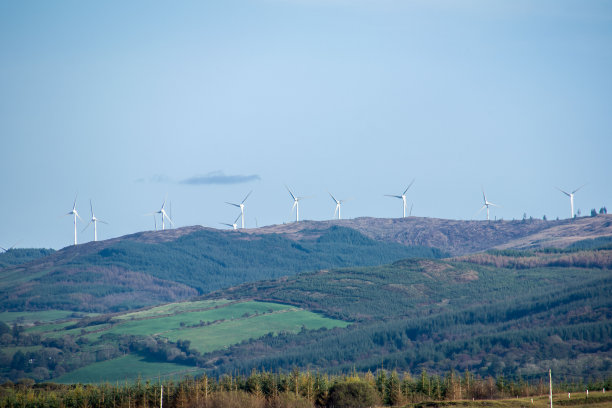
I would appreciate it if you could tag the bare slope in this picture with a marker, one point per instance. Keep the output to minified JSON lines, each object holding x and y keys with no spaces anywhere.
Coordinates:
{"x":459,"y":237}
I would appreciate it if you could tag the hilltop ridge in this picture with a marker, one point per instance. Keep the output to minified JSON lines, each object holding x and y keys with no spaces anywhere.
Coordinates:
{"x":459,"y":237}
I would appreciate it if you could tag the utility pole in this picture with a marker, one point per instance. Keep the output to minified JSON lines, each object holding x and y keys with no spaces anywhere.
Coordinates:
{"x":550,"y":385}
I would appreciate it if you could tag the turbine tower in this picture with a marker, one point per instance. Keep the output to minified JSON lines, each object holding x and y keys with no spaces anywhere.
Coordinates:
{"x":163,"y":213}
{"x":95,"y":221}
{"x":235,"y":224}
{"x":402,"y":197}
{"x":296,"y":204}
{"x":338,"y":205}
{"x":75,"y":214}
{"x":571,"y":196}
{"x":241,"y":206}
{"x":487,"y":204}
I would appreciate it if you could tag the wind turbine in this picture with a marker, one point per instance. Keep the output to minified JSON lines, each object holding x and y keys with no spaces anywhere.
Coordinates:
{"x":163,"y":213}
{"x":487,"y":204}
{"x":571,"y":196}
{"x":296,"y":204}
{"x":338,"y":205}
{"x":241,"y":206}
{"x":95,"y":222}
{"x":402,"y":197}
{"x":75,"y":214}
{"x":235,"y":224}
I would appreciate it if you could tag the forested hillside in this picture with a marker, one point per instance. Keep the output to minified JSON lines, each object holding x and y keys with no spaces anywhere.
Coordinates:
{"x":19,"y":256}
{"x":494,"y":313}
{"x":140,"y":270}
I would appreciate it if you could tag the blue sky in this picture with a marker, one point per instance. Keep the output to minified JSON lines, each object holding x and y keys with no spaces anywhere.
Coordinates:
{"x":127,"y":102}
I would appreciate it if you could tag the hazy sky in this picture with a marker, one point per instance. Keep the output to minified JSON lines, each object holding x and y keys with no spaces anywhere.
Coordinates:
{"x":127,"y":102}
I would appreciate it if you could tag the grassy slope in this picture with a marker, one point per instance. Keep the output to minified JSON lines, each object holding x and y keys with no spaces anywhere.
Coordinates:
{"x":127,"y":368}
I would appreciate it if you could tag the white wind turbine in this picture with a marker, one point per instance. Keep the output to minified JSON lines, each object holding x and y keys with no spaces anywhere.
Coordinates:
{"x":241,"y":206}
{"x":486,"y":204}
{"x":95,"y":222}
{"x":402,"y":197}
{"x":235,"y":224}
{"x":338,"y":205}
{"x":163,"y":213}
{"x":296,"y":204}
{"x":571,"y":196}
{"x":75,"y":214}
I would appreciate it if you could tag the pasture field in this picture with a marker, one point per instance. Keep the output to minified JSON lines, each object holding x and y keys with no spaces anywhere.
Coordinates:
{"x":163,"y":324}
{"x":217,"y":336}
{"x":127,"y":368}
{"x":209,"y":325}
{"x":172,"y":308}
{"x":24,"y":318}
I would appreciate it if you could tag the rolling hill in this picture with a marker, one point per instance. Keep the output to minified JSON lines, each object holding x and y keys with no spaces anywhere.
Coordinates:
{"x":153,"y":267}
{"x":503,"y":312}
{"x":156,"y":267}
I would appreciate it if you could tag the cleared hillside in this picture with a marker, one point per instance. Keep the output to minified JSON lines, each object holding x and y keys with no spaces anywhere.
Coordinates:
{"x":459,"y":237}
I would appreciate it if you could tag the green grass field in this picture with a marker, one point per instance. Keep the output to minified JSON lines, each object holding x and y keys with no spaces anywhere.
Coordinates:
{"x":217,"y":336}
{"x":127,"y":368}
{"x":208,"y":325}
{"x":173,"y":308}
{"x":32,"y":317}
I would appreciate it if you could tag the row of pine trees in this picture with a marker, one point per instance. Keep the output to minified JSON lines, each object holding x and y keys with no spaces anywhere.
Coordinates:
{"x":294,"y":389}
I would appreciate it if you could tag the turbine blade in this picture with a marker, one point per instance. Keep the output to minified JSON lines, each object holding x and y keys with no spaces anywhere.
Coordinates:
{"x":564,"y":192}
{"x":86,"y":226}
{"x":574,"y":192}
{"x":247,"y":196}
{"x":395,"y":196}
{"x":103,"y":222}
{"x":409,"y":185}
{"x":235,"y":205}
{"x":78,"y":216}
{"x":237,"y":218}
{"x":292,"y":196}
{"x":333,"y":198}
{"x":91,"y":208}
{"x":294,"y":204}
{"x":74,"y":203}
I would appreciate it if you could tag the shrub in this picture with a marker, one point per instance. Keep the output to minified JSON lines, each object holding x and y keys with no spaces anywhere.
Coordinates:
{"x":352,"y":394}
